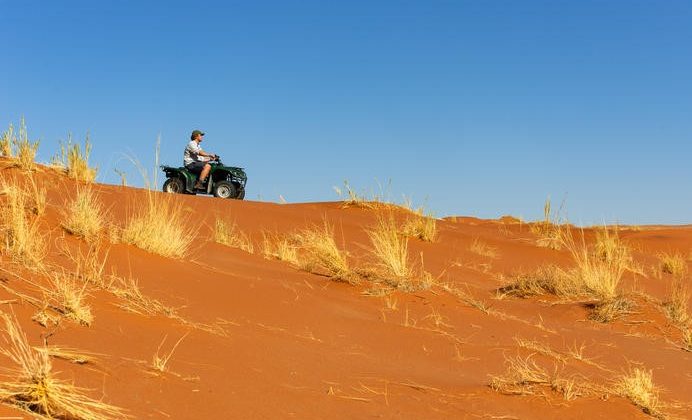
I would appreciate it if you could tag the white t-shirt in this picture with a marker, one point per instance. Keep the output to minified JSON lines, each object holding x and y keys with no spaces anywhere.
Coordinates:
{"x":192,"y":153}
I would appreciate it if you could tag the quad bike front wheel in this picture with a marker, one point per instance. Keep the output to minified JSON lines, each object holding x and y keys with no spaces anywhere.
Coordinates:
{"x":225,"y":189}
{"x":173,"y":185}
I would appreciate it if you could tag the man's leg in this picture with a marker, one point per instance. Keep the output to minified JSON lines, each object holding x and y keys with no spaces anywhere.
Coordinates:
{"x":203,"y":176}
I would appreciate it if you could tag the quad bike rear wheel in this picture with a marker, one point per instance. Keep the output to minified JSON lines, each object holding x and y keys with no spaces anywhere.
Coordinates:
{"x":225,"y":189}
{"x":173,"y":185}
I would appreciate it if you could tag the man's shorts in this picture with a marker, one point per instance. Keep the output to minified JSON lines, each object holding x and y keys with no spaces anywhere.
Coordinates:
{"x":195,"y":167}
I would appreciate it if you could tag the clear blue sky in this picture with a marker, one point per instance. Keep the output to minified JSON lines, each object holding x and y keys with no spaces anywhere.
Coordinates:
{"x":473,"y":107}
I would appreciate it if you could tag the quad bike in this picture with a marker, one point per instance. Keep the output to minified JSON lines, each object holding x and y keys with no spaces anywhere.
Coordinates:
{"x":223,"y":181}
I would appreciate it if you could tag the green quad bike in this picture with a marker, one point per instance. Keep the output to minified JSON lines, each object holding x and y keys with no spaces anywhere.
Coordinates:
{"x":223,"y":181}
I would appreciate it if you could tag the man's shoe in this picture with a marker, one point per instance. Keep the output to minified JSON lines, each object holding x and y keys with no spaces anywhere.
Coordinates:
{"x":199,"y":186}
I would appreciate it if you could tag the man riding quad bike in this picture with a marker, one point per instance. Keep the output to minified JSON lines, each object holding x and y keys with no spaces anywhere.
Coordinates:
{"x":204,"y":173}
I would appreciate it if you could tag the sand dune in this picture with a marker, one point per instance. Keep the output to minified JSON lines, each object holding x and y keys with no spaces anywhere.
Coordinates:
{"x":263,"y":338}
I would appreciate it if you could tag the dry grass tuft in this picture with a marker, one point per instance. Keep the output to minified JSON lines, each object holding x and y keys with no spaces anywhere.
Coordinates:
{"x":68,"y":354}
{"x":674,"y":264}
{"x":421,"y":226}
{"x":32,"y":386}
{"x":596,"y":274}
{"x":522,"y":377}
{"x":481,"y":248}
{"x":390,"y":249}
{"x":229,"y":235}
{"x":21,"y":233}
{"x":160,"y":362}
{"x":676,"y":306}
{"x":549,"y":229}
{"x":275,"y":246}
{"x":545,"y":280}
{"x":133,"y":300}
{"x":637,"y":385}
{"x":75,"y":161}
{"x":598,"y":277}
{"x":6,"y":141}
{"x":319,"y":253}
{"x":611,"y":309}
{"x":392,"y":264}
{"x":20,"y":148}
{"x":159,"y":226}
{"x":84,"y":215}
{"x":67,"y":295}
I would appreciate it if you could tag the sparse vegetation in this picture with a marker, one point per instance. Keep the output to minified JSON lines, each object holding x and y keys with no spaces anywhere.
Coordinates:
{"x":275,"y":246}
{"x":229,"y":235}
{"x":594,"y":274}
{"x":318,"y":252}
{"x":548,"y":230}
{"x":6,"y":142}
{"x":521,"y":377}
{"x":420,"y":225}
{"x":637,"y":385}
{"x":21,"y":233}
{"x":159,"y":226}
{"x":19,"y":148}
{"x":392,"y":264}
{"x":673,"y":263}
{"x":84,"y":215}
{"x":75,"y":161}
{"x":32,"y":386}
{"x":67,"y":295}
{"x":160,"y":362}
{"x":676,"y":306}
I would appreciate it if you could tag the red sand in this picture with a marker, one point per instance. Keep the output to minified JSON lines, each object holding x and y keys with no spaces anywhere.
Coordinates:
{"x":289,"y":344}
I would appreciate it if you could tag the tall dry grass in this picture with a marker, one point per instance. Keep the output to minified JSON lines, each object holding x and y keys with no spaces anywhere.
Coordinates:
{"x":673,"y":263}
{"x":595,"y":274}
{"x":390,"y":252}
{"x":159,"y":225}
{"x":84,"y":215}
{"x":21,"y":232}
{"x":229,"y":235}
{"x":421,"y":226}
{"x":677,"y":304}
{"x":279,"y":247}
{"x":549,"y":230}
{"x":75,"y":160}
{"x":19,"y":148}
{"x":637,"y":385}
{"x":6,"y":142}
{"x":319,"y":253}
{"x":31,"y":385}
{"x":67,"y":294}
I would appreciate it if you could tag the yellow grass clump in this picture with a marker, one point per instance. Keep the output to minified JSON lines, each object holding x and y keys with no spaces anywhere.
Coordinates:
{"x":282,"y":248}
{"x":676,"y":306}
{"x":84,"y":215}
{"x":637,"y":385}
{"x":421,"y":226}
{"x":320,"y":253}
{"x":21,"y":233}
{"x":595,"y":275}
{"x":549,"y":229}
{"x":159,"y":226}
{"x":75,"y":161}
{"x":229,"y":235}
{"x":19,"y":148}
{"x":598,"y":275}
{"x":390,"y":251}
{"x":6,"y":141}
{"x":67,"y":294}
{"x":32,"y":386}
{"x":673,"y":263}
